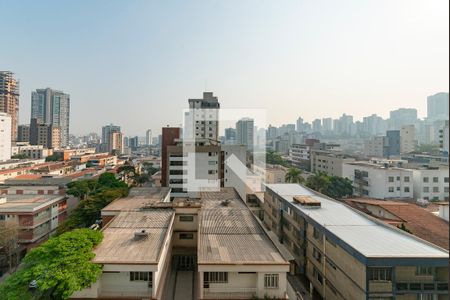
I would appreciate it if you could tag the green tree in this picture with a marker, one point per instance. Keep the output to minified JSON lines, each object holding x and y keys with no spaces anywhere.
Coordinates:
{"x":319,"y":182}
{"x":19,"y":156}
{"x":52,"y":158}
{"x":274,"y":158}
{"x":60,"y":266}
{"x":339,"y":187}
{"x":294,"y":175}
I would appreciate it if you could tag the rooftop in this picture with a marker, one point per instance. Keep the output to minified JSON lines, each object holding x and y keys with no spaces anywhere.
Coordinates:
{"x":419,"y":221}
{"x":368,"y":237}
{"x":139,"y":197}
{"x":27,"y":203}
{"x":119,"y":244}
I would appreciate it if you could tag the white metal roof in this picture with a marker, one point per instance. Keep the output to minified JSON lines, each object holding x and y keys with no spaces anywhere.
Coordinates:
{"x":370,"y":238}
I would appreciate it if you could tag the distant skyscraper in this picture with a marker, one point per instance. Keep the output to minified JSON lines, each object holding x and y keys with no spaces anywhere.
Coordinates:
{"x":317,"y":125}
{"x":327,"y":124}
{"x":271,"y":132}
{"x":393,"y":142}
{"x":52,"y":107}
{"x":23,"y":133}
{"x":230,"y":136}
{"x":402,"y":116}
{"x":9,"y":99}
{"x":148,"y":137}
{"x":5,"y":136}
{"x":408,"y":141}
{"x":374,"y":125}
{"x":202,"y":120}
{"x":437,"y":107}
{"x":245,"y":131}
{"x":299,"y":124}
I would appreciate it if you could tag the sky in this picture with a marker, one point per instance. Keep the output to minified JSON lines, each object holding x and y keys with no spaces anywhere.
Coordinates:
{"x":135,"y":63}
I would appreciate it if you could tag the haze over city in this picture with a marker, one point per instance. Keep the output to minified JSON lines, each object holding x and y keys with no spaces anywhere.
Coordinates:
{"x":146,"y":58}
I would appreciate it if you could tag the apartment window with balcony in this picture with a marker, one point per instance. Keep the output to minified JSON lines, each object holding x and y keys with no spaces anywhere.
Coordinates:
{"x":391,"y":189}
{"x":406,"y":179}
{"x":406,"y":189}
{"x":271,"y":281}
{"x":425,"y":179}
{"x":424,"y":271}
{"x":380,"y":274}
{"x":435,"y":179}
{"x":215,"y":277}
{"x":391,"y":179}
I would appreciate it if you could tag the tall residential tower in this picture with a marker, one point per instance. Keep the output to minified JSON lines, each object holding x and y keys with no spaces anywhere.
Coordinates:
{"x":9,"y":99}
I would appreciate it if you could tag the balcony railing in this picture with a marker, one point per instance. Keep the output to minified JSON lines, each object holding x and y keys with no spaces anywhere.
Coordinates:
{"x":229,"y":293}
{"x":436,"y":286}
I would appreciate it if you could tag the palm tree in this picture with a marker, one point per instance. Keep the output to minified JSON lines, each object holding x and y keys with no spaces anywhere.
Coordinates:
{"x":294,"y":175}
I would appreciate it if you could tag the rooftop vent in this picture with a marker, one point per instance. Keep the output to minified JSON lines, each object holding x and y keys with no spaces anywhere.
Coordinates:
{"x":225,"y":202}
{"x":140,"y":234}
{"x":307,"y":201}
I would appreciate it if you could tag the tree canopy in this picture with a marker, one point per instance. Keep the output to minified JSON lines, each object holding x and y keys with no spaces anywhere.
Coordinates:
{"x":60,"y":266}
{"x":94,"y":194}
{"x":294,"y":175}
{"x":275,"y":158}
{"x":332,"y":186}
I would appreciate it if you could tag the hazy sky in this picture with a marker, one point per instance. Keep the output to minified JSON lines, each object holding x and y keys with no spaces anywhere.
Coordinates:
{"x":135,"y":63}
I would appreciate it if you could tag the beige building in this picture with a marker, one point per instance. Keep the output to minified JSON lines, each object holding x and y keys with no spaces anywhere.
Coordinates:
{"x":208,"y":248}
{"x":9,"y":99}
{"x":270,"y":173}
{"x":329,"y":162}
{"x":408,"y":139}
{"x":345,"y":254}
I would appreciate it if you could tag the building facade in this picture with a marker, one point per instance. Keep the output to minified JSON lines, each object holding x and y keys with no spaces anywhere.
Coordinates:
{"x":329,"y":162}
{"x":347,"y":255}
{"x":5,"y":136}
{"x":431,"y":183}
{"x":245,"y":133}
{"x":9,"y":100}
{"x":437,"y":107}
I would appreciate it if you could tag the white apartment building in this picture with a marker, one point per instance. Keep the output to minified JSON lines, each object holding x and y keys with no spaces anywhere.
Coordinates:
{"x":408,"y":139}
{"x":299,"y":153}
{"x":202,"y":119}
{"x":329,"y":162}
{"x":5,"y":137}
{"x":431,"y":183}
{"x":379,"y":182}
{"x":31,"y":151}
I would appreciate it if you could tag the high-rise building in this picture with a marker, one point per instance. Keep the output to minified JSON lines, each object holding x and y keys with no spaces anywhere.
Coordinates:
{"x":46,"y":135}
{"x":374,"y":125}
{"x":299,"y":124}
{"x":52,"y":107}
{"x":245,"y":130}
{"x":327,"y":124}
{"x":5,"y":136}
{"x":393,"y":143}
{"x":133,"y":142}
{"x":148,"y":137}
{"x":168,"y":138}
{"x":402,"y":116}
{"x":271,"y":132}
{"x":9,"y":99}
{"x":408,"y":141}
{"x":444,"y":139}
{"x":202,"y":120}
{"x":106,"y":131}
{"x":317,"y":125}
{"x":230,"y":136}
{"x":437,"y":107}
{"x":23,"y":133}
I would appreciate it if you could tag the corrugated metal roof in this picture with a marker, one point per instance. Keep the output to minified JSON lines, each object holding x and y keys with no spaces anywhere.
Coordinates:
{"x":370,"y":238}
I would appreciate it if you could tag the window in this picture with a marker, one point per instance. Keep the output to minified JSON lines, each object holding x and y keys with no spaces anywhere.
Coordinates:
{"x":186,"y":218}
{"x":318,"y":276}
{"x":215,"y":277}
{"x":406,"y":179}
{"x":331,"y":264}
{"x":380,"y":274}
{"x":398,"y":188}
{"x":446,"y":189}
{"x":426,"y":189}
{"x":406,"y":189}
{"x":424,"y":271}
{"x":435,"y":179}
{"x":425,"y":179}
{"x":317,"y":234}
{"x":425,"y":297}
{"x":446,"y":179}
{"x":391,"y":189}
{"x":142,"y":276}
{"x":271,"y":281}
{"x":398,"y":178}
{"x":435,"y":189}
{"x":317,"y":255}
{"x":186,"y":236}
{"x":391,"y":178}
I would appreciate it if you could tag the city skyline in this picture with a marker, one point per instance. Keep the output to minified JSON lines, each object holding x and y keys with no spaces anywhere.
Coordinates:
{"x":136,"y":53}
